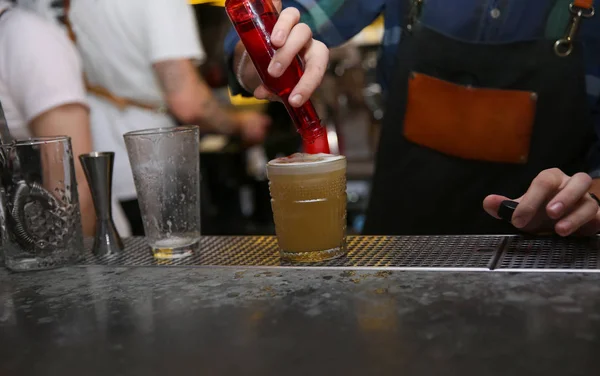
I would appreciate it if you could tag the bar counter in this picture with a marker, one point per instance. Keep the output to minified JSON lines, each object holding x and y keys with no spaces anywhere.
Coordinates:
{"x":513,"y":317}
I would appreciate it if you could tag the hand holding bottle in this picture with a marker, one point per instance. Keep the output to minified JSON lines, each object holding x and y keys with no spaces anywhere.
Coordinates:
{"x":281,"y":69}
{"x":290,"y":38}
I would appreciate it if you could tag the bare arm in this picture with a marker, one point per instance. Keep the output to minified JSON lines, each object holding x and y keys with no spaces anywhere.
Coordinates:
{"x":71,"y":120}
{"x":190,"y":99}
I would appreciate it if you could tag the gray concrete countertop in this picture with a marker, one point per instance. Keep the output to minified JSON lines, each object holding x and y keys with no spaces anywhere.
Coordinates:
{"x":223,"y":321}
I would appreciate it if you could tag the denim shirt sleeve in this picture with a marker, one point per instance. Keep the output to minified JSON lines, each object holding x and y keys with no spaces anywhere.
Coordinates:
{"x":332,"y":21}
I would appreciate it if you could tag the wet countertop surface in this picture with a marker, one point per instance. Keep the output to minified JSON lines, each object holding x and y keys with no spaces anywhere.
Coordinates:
{"x":223,"y":321}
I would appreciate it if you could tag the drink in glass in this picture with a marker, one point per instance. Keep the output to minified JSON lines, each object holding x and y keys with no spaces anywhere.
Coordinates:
{"x":308,"y":197}
{"x":166,"y":170}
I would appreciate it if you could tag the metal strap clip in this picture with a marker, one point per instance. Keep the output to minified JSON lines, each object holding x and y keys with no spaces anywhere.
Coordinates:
{"x":414,"y":14}
{"x":563,"y":47}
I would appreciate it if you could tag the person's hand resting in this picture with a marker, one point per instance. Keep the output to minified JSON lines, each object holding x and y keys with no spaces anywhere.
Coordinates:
{"x":291,"y":38}
{"x":252,"y":126}
{"x":554,"y":202}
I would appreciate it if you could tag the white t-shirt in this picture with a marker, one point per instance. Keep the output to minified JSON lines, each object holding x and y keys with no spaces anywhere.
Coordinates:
{"x":39,"y":68}
{"x":119,"y":40}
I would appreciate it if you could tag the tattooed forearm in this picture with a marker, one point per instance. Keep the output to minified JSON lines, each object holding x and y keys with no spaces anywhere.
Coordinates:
{"x":190,"y":99}
{"x":216,"y":117}
{"x":172,"y":75}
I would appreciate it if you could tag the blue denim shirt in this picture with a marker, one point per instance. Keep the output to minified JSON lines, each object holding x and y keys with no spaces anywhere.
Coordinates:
{"x":475,"y":21}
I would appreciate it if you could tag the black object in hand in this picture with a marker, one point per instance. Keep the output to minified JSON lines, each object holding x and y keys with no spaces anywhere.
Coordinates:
{"x":506,"y":210}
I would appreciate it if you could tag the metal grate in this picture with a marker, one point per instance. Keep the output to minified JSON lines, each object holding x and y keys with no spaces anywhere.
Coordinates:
{"x":370,"y":251}
{"x":551,"y":253}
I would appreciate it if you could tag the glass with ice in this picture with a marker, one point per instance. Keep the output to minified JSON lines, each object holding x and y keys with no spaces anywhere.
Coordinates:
{"x":166,"y":170}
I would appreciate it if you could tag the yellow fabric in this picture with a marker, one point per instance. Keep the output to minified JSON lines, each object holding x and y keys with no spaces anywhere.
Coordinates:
{"x":219,"y":3}
{"x":238,"y":100}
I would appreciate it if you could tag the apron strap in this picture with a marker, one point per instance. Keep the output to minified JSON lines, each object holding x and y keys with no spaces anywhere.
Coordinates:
{"x":411,"y":10}
{"x":580,"y":10}
{"x":67,"y":20}
{"x":4,"y":12}
{"x":119,"y":102}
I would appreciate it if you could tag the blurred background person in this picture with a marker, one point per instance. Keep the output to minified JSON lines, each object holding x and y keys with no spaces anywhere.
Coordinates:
{"x":235,"y":194}
{"x":42,"y":91}
{"x":140,"y":61}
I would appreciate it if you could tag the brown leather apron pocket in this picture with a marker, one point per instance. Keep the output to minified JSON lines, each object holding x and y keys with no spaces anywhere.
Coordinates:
{"x":482,"y":124}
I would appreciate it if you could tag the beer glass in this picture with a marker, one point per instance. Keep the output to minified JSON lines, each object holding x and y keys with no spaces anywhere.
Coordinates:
{"x":42,"y":219}
{"x":166,"y":170}
{"x":308,"y":198}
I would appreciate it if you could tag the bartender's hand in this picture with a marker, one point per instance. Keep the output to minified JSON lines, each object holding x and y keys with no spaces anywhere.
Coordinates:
{"x":555,"y":202}
{"x":252,"y":126}
{"x":290,"y":38}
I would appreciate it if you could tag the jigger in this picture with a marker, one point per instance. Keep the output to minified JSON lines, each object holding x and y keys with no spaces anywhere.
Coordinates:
{"x":98,"y":167}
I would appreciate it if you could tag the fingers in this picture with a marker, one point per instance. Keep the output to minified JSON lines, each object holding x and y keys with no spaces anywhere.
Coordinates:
{"x":253,"y":127}
{"x":288,"y":18}
{"x":586,"y":210}
{"x":491,"y":204}
{"x":576,"y":188}
{"x":591,"y":228}
{"x":299,"y":37}
{"x":264,"y":121}
{"x":256,"y":120}
{"x":568,"y":206}
{"x":262,"y":92}
{"x":315,"y":64}
{"x":278,"y":5}
{"x":291,"y":38}
{"x":542,"y":189}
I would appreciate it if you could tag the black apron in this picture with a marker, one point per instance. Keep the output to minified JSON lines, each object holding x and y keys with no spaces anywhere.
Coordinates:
{"x":417,"y":190}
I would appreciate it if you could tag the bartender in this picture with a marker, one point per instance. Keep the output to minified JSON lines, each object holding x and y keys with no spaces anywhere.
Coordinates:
{"x":486,"y":101}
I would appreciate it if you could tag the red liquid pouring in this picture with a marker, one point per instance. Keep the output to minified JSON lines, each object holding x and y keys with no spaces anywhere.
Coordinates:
{"x":254,"y":20}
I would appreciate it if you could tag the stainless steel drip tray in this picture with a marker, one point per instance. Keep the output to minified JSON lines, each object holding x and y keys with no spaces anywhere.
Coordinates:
{"x":470,"y":253}
{"x":363,"y":251}
{"x":552,"y":254}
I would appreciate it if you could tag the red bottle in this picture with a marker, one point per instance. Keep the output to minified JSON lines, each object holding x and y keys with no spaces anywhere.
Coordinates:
{"x":254,"y":21}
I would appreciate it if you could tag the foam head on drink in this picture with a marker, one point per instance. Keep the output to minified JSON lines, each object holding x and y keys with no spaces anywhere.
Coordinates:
{"x":308,"y":197}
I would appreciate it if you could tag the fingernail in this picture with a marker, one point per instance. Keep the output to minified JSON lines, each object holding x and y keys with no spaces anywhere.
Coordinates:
{"x":518,"y":222}
{"x":557,"y":208}
{"x":275,"y":68}
{"x":277,"y":36}
{"x":296,"y":99}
